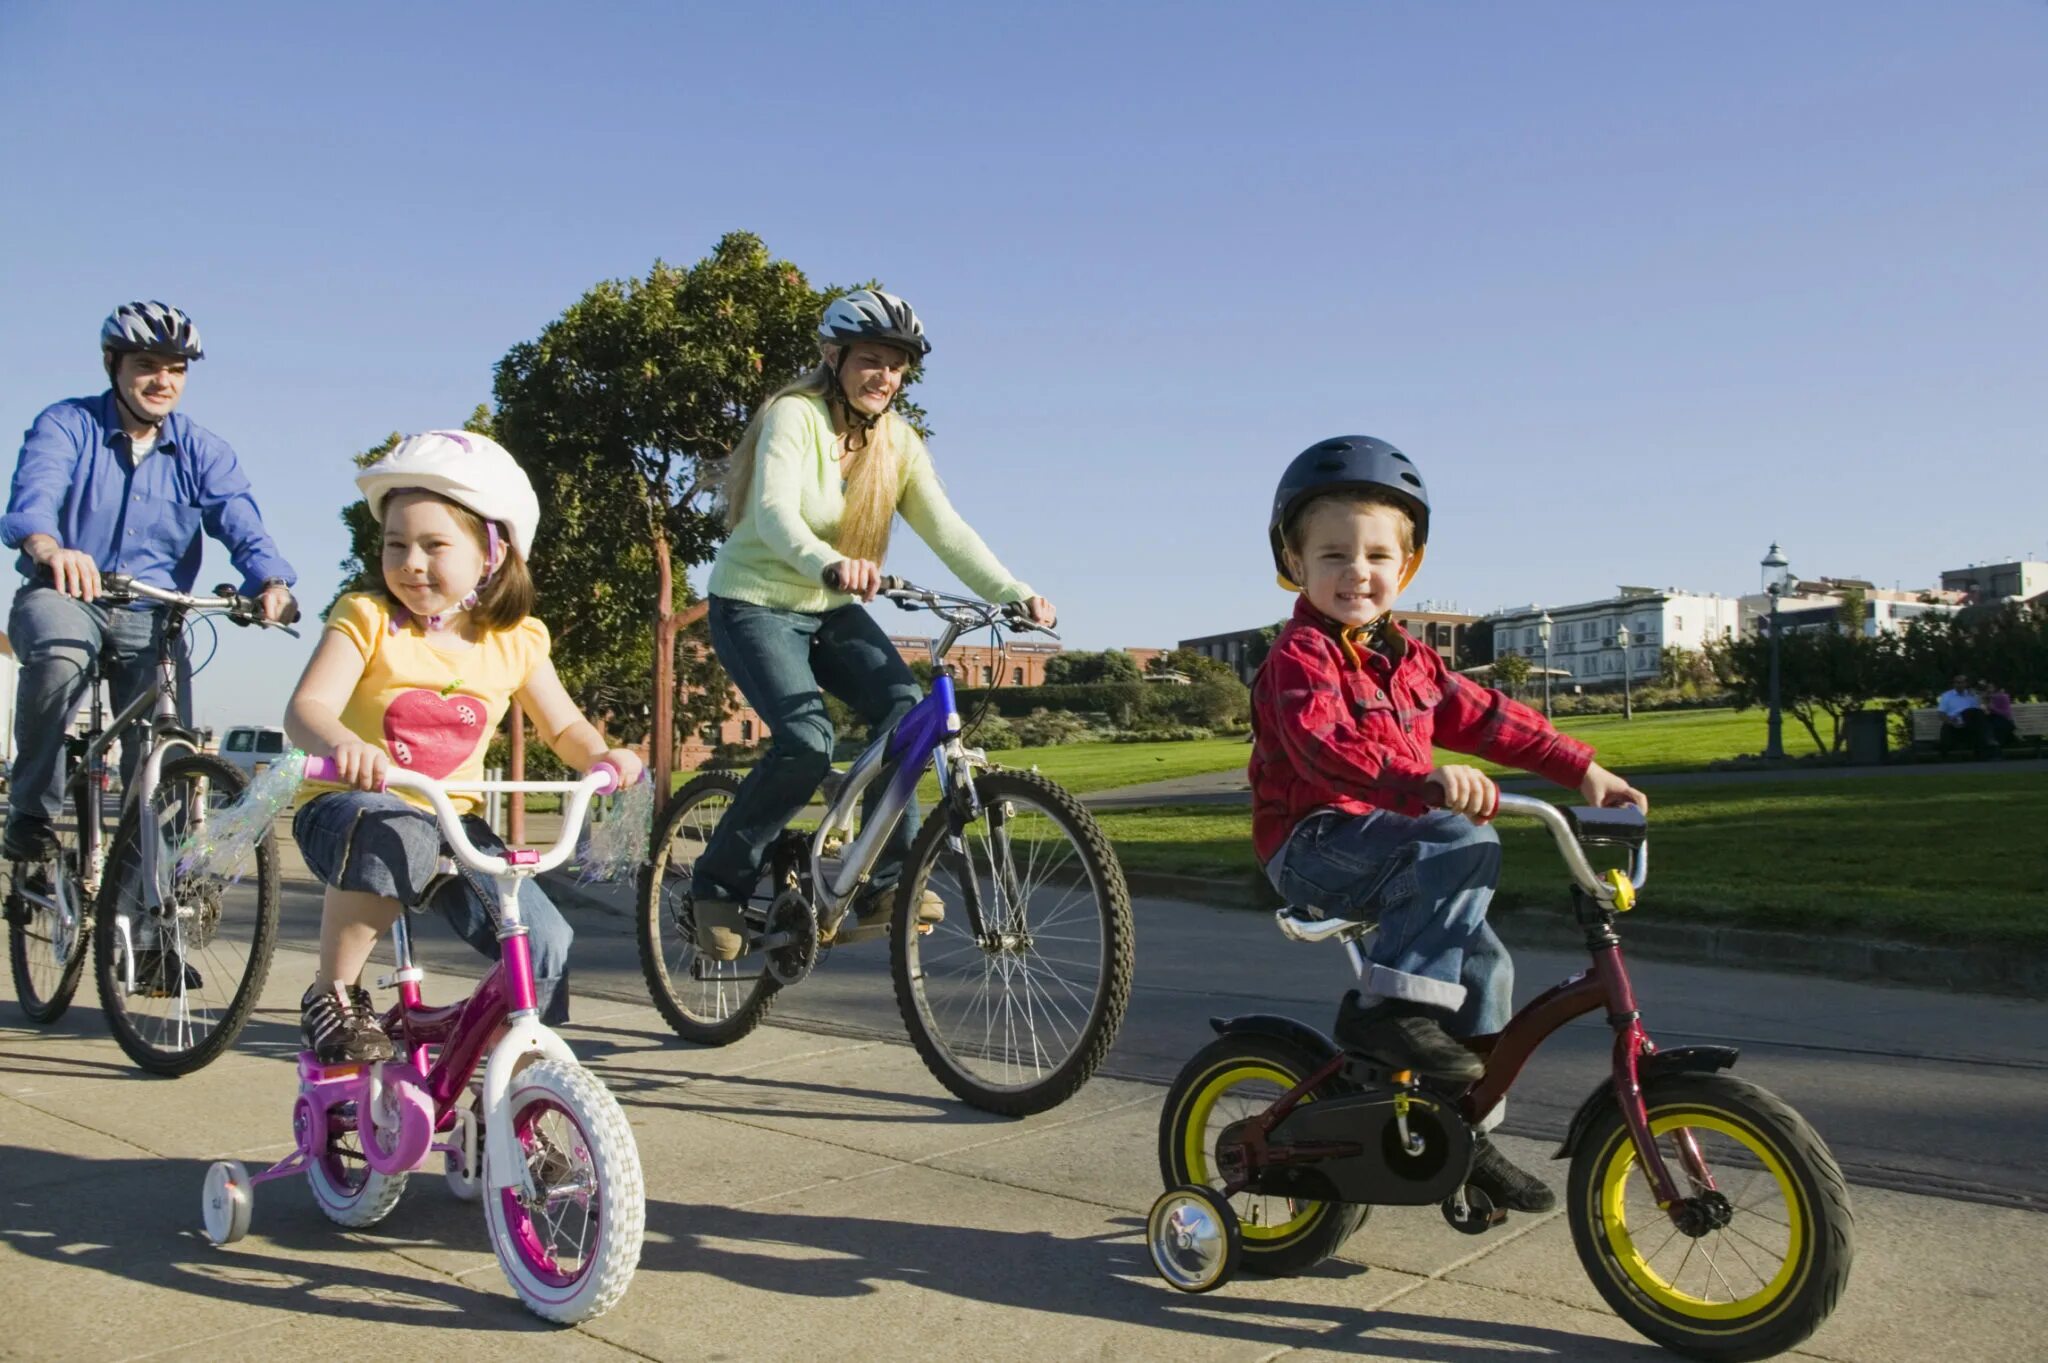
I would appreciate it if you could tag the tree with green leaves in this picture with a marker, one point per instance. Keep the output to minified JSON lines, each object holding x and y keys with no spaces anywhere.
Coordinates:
{"x":1190,"y":664}
{"x":1080,"y":668}
{"x":1511,"y":673}
{"x":629,"y":402}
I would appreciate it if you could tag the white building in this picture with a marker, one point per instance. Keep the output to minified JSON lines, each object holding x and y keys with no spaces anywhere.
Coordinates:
{"x":2022,"y":580}
{"x":1585,"y":637}
{"x":1816,"y":603}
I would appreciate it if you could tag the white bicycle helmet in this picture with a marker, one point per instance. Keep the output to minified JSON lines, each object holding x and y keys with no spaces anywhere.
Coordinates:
{"x":464,"y":467}
{"x":871,"y":315}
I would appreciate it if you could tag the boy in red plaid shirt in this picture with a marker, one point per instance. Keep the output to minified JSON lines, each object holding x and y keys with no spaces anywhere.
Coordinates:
{"x":1351,"y":814}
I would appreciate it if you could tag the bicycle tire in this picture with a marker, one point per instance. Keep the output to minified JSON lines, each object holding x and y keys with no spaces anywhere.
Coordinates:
{"x":714,"y":1012}
{"x":194,"y":1044}
{"x":44,"y":994}
{"x":1763,"y":1152}
{"x":1312,"y":1230}
{"x":1034,"y":1081}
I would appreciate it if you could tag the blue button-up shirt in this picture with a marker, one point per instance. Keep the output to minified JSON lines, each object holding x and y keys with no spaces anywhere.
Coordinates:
{"x":78,"y":480}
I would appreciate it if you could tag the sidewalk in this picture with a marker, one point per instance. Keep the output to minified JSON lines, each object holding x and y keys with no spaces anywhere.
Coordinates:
{"x":815,"y":1197}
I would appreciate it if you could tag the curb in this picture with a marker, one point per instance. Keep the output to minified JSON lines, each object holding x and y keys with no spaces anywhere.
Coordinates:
{"x":1975,"y":970}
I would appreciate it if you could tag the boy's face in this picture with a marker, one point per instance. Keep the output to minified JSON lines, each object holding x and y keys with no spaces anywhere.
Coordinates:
{"x":1351,"y":561}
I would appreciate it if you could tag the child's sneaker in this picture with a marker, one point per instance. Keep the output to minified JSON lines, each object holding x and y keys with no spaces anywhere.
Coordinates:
{"x":1511,"y":1187}
{"x":1405,"y":1036}
{"x":340,"y":1028}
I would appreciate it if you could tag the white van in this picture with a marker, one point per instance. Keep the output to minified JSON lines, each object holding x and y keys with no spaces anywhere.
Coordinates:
{"x":250,"y":746}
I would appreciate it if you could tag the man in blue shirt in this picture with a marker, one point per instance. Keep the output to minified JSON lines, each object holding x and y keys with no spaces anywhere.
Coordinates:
{"x":115,"y":484}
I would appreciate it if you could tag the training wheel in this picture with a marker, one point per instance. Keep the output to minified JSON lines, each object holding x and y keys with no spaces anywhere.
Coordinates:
{"x":1194,"y":1239}
{"x":226,"y":1203}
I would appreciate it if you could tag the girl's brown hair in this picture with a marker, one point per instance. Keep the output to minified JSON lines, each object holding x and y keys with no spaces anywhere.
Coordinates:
{"x":507,"y":598}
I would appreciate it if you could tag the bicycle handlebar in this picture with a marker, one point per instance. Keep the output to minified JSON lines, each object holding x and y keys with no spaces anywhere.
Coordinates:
{"x":1572,"y":850}
{"x":119,"y":588}
{"x":965,"y":611}
{"x":602,"y":780}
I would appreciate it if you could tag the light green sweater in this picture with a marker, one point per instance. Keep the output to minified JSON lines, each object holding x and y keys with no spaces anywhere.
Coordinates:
{"x":778,"y":552}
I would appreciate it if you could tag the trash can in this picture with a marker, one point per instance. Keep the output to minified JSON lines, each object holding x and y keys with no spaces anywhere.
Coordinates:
{"x":1866,"y":739}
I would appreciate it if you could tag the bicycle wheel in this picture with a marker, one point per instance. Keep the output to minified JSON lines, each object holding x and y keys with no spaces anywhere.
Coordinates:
{"x":1014,"y":1020}
{"x":200,"y":944}
{"x":1228,"y":1080}
{"x":569,"y":1244}
{"x":1767,"y":1253}
{"x":713,"y":1003}
{"x":46,"y":945}
{"x":349,"y":1192}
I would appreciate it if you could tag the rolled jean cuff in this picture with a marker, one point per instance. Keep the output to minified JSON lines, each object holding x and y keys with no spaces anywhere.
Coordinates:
{"x":1387,"y":983}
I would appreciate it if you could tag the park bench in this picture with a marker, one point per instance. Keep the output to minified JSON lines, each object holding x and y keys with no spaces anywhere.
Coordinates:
{"x":2029,"y":722}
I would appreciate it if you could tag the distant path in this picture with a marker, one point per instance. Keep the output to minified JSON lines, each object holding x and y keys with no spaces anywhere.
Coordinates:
{"x":1228,"y":787}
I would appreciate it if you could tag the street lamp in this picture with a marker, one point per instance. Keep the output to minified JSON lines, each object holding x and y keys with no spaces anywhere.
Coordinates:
{"x":1543,"y":633}
{"x":1777,"y":581}
{"x":1628,"y":704}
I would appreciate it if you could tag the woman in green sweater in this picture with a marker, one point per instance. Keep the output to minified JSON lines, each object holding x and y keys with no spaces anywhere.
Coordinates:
{"x":812,"y":488}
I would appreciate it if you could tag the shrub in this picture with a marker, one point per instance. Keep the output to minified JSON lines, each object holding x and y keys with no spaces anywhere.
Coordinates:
{"x":1048,"y":728}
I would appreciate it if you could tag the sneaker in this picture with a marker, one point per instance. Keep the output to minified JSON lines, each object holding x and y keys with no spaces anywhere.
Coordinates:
{"x":340,"y":1028}
{"x":1511,"y":1187}
{"x":29,"y":839}
{"x":1405,"y":1036}
{"x":156,"y":972}
{"x":721,"y":928}
{"x":875,"y":906}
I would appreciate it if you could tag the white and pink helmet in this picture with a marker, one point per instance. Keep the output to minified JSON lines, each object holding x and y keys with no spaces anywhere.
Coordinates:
{"x":464,"y":467}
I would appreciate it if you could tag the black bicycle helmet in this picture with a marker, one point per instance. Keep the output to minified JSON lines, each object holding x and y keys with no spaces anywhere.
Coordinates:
{"x":1346,"y":461}
{"x":157,"y":328}
{"x":871,"y":315}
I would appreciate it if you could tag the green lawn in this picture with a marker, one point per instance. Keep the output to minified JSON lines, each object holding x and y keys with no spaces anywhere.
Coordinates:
{"x":1674,"y":740}
{"x":1938,"y":859}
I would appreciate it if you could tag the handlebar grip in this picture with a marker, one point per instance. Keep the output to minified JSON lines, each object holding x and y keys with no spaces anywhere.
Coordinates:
{"x":894,"y":584}
{"x":320,"y":769}
{"x":614,"y":777}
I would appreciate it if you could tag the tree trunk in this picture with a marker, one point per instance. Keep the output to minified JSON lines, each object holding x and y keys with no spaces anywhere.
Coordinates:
{"x":515,"y":812}
{"x":661,"y":743}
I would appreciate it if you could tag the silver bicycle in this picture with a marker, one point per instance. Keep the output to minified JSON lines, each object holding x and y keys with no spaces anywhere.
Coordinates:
{"x":1014,"y":998}
{"x":180,"y":957}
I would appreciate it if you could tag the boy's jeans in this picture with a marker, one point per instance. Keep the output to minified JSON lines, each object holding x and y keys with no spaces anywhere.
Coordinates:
{"x":1428,"y":881}
{"x":780,"y":660}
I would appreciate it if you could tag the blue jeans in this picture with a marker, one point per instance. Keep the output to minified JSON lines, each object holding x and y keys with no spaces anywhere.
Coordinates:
{"x":782,"y":662}
{"x":378,"y":844}
{"x":62,"y":643}
{"x":1428,"y":881}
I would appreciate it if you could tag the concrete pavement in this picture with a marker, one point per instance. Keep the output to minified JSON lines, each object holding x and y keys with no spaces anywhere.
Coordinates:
{"x":818,"y":1195}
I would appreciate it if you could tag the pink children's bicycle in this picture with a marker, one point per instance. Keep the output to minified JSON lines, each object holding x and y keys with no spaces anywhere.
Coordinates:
{"x":554,"y":1163}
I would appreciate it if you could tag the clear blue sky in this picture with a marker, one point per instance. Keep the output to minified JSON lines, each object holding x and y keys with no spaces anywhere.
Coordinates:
{"x":1641,"y":287}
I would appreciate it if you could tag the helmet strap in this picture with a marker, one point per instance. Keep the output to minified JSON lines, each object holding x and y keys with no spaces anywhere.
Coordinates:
{"x":401,"y":617}
{"x":859,"y":425}
{"x":113,"y":361}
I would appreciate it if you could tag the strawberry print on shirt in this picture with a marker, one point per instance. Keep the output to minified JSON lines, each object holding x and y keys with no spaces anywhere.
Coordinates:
{"x":433,"y":734}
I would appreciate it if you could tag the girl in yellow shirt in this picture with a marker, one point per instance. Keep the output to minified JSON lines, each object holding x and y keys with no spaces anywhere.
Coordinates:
{"x":419,"y":674}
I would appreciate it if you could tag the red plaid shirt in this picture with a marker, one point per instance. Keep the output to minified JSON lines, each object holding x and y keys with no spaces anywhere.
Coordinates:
{"x":1338,"y":725}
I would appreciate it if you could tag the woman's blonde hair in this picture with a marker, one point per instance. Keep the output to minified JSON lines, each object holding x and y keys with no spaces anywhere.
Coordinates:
{"x":874,"y":469}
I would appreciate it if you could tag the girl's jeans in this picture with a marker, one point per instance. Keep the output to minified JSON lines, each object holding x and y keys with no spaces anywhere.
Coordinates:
{"x":780,"y":660}
{"x":1428,"y":881}
{"x":378,"y":844}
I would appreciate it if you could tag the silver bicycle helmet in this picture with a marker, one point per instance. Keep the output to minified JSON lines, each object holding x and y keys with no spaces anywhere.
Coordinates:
{"x":157,"y":328}
{"x":871,"y":315}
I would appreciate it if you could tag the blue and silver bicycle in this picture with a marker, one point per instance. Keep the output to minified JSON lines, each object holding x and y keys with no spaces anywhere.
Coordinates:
{"x":1014,"y":997}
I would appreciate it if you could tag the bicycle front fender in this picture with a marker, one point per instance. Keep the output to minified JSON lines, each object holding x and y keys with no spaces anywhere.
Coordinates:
{"x":524,"y":1036}
{"x":1680,"y":1060}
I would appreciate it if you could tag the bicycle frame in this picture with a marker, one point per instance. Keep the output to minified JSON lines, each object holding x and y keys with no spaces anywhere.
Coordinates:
{"x":501,"y":1016}
{"x":1604,"y":983}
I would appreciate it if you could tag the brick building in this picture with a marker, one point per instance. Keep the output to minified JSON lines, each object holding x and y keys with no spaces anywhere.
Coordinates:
{"x":970,"y":665}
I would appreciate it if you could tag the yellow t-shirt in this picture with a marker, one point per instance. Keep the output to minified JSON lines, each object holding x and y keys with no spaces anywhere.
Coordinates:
{"x":432,"y":712}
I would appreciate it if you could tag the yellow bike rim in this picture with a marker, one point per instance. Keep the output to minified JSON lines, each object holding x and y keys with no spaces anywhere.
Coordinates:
{"x":1194,"y":1135}
{"x":1723,"y":1272}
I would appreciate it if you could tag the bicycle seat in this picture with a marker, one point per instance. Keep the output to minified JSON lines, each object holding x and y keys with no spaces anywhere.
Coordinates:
{"x":1625,"y":825}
